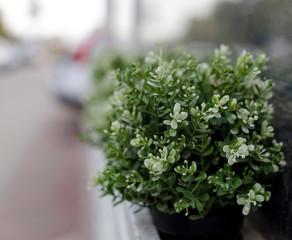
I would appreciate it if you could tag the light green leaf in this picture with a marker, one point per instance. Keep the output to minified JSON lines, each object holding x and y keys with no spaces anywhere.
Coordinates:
{"x":173,"y":124}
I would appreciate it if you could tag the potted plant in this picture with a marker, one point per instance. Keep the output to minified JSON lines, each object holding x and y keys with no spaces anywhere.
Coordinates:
{"x":191,"y":140}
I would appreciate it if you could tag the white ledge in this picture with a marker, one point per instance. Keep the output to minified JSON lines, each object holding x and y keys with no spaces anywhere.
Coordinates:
{"x":119,"y":222}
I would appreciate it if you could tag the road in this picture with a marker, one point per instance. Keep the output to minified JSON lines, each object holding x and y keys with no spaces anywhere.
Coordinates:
{"x":43,"y":193}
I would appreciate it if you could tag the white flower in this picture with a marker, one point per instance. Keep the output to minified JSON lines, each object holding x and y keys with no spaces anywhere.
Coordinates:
{"x":224,"y":100}
{"x":177,"y":116}
{"x":218,"y":103}
{"x":158,"y":164}
{"x":242,"y":113}
{"x":236,"y":150}
{"x":115,"y":126}
{"x":138,"y":141}
{"x":267,"y":131}
{"x":243,"y":151}
{"x":254,"y":197}
{"x":205,"y":68}
{"x":233,"y":104}
{"x":117,"y":98}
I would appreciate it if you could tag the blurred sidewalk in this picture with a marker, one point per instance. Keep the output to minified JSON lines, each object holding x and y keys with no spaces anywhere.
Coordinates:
{"x":43,"y":172}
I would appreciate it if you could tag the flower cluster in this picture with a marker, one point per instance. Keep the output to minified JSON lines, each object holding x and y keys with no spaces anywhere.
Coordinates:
{"x":217,"y":105}
{"x":186,"y":169}
{"x":115,"y":127}
{"x":237,"y":149}
{"x":177,"y":117}
{"x":158,"y":164}
{"x":254,"y":197}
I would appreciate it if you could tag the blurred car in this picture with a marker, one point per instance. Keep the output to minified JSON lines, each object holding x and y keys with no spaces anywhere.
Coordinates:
{"x":72,"y":80}
{"x":72,"y":75}
{"x":6,"y":50}
{"x":15,"y":54}
{"x":23,"y":53}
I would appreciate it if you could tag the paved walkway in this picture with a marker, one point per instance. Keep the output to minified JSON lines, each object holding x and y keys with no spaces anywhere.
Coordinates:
{"x":43,"y":172}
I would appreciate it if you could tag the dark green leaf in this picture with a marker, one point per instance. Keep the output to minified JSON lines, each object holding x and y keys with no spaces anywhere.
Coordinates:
{"x":188,"y":195}
{"x":199,"y":205}
{"x":202,"y":176}
{"x":208,"y":151}
{"x":204,"y":197}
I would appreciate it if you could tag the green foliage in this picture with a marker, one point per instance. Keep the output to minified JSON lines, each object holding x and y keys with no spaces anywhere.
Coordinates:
{"x":99,"y":103}
{"x":186,"y":135}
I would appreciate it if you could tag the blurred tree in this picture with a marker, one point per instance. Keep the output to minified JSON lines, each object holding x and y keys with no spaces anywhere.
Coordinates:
{"x":3,"y":31}
{"x":249,"y":21}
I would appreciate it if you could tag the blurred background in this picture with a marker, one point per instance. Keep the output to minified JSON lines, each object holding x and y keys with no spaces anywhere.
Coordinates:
{"x":52,"y":57}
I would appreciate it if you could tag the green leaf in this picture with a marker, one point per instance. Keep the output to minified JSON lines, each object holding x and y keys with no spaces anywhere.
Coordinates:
{"x":191,"y":145}
{"x":195,"y":217}
{"x":172,"y":179}
{"x":193,"y":102}
{"x":172,"y":132}
{"x":259,"y":198}
{"x":153,"y":84}
{"x":180,"y":205}
{"x":155,"y":194}
{"x":167,"y":197}
{"x":180,"y":189}
{"x":202,"y":176}
{"x":186,"y":178}
{"x":204,"y":197}
{"x":150,"y":141}
{"x":231,"y":117}
{"x":161,"y":207}
{"x":199,"y":205}
{"x":188,"y":195}
{"x":140,"y":187}
{"x":186,"y":154}
{"x":221,"y":192}
{"x":237,"y":183}
{"x":208,"y":151}
{"x":221,"y":144}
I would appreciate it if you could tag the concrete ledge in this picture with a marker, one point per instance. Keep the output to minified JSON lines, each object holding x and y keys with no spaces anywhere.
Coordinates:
{"x":119,"y":222}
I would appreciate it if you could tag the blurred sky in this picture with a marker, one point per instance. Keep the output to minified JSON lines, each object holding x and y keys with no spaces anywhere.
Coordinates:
{"x":70,"y":19}
{"x":74,"y":19}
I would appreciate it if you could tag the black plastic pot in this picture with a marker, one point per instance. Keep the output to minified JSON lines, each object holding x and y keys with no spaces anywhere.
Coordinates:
{"x":221,"y":223}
